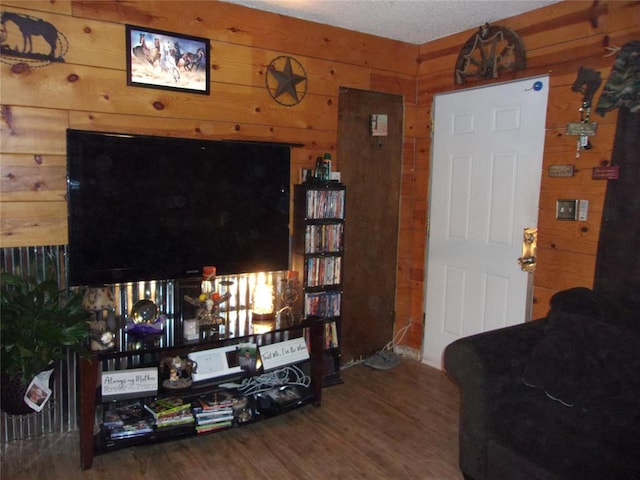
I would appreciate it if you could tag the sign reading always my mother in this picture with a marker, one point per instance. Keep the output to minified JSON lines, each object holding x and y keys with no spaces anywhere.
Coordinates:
{"x":283,"y":353}
{"x":132,"y":382}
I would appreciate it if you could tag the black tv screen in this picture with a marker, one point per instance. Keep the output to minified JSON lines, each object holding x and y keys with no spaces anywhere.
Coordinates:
{"x":152,"y":208}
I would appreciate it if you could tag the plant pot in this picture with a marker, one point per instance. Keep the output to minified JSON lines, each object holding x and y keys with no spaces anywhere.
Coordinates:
{"x":12,"y":390}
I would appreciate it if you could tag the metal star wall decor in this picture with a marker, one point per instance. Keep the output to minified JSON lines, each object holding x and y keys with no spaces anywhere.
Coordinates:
{"x":286,"y":81}
{"x":488,"y":53}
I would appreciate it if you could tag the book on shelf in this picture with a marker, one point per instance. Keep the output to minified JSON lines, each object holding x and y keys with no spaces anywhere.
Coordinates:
{"x":323,"y":271}
{"x":112,"y":419}
{"x":126,"y":421}
{"x":213,"y":415}
{"x":165,"y":407}
{"x":130,"y":431}
{"x":213,"y":426}
{"x":181,"y":418}
{"x":323,"y":238}
{"x":218,"y":399}
{"x":217,"y":419}
{"x":325,"y":203}
{"x":330,"y":335}
{"x":322,"y":304}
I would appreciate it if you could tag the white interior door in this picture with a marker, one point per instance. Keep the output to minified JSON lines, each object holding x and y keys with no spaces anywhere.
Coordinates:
{"x":485,"y":184}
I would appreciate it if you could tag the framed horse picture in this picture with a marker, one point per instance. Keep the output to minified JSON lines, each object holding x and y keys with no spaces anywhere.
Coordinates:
{"x":159,"y":59}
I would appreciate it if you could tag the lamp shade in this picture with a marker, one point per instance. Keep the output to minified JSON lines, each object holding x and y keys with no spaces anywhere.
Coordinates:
{"x":98,"y":298}
{"x":262,"y":297}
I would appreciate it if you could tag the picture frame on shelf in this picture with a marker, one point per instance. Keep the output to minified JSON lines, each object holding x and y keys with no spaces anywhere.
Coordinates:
{"x":166,"y":60}
{"x":215,"y":362}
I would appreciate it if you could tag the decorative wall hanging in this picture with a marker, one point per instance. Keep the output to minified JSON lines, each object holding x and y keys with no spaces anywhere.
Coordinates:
{"x":166,"y":60}
{"x":587,"y":82}
{"x":20,"y":45}
{"x":490,"y":52}
{"x":286,"y":81}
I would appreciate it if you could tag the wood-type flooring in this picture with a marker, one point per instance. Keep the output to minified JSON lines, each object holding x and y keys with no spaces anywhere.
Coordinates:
{"x":399,"y":424}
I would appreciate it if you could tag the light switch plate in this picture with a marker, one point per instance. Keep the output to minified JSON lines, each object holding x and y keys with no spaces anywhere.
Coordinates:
{"x":566,"y":209}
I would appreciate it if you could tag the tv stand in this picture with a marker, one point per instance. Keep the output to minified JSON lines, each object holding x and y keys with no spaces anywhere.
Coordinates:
{"x":92,"y":366}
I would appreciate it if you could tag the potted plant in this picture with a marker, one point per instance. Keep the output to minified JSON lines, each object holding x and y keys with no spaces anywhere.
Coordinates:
{"x":38,"y":322}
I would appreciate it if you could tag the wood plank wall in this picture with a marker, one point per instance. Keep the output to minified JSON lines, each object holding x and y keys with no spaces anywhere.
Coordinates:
{"x":89,"y":91}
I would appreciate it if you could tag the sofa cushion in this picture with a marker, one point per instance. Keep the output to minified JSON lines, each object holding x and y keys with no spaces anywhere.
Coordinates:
{"x":584,"y":362}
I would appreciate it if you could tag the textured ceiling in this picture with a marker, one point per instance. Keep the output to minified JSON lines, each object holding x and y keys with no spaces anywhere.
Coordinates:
{"x":411,"y":21}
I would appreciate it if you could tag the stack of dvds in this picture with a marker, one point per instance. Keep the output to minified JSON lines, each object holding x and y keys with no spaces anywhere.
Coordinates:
{"x":170,"y":411}
{"x":214,"y":411}
{"x":127,"y":421}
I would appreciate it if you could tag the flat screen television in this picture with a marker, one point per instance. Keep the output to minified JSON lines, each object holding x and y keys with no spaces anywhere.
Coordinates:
{"x":153,"y":208}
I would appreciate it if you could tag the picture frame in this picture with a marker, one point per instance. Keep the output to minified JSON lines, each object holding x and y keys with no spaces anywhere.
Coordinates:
{"x":168,"y":61}
{"x":215,"y":362}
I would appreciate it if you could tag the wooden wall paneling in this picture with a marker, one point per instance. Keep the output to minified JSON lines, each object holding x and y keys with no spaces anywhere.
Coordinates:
{"x":247,"y":65}
{"x":247,"y":26}
{"x":32,"y":130}
{"x":315,"y":140}
{"x":569,"y":236}
{"x":33,"y":223}
{"x":541,"y":301}
{"x":410,"y":123}
{"x":579,"y":186}
{"x":105,"y":90}
{"x":401,"y":84}
{"x":417,"y":124}
{"x":564,"y":269}
{"x":33,"y":178}
{"x":59,"y":6}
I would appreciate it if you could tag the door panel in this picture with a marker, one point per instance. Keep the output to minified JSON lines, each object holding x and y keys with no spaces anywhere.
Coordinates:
{"x":485,"y":183}
{"x":371,"y":168}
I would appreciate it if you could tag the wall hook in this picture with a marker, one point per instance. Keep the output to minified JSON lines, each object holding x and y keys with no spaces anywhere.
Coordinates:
{"x":611,"y":50}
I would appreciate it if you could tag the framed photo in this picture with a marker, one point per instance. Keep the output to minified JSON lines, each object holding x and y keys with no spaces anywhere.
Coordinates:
{"x":158,"y":59}
{"x":216,"y":362}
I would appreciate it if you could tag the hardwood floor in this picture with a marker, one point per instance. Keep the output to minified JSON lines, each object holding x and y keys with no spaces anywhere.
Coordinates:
{"x":395,"y":424}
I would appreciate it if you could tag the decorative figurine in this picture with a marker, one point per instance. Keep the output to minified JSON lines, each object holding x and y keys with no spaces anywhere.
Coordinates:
{"x":179,"y":369}
{"x":208,"y":311}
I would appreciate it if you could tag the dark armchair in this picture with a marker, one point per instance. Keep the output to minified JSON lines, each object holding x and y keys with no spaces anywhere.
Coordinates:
{"x":556,"y":398}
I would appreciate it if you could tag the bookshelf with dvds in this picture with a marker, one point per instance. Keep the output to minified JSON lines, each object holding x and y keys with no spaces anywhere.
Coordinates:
{"x":108,"y":423}
{"x":318,"y":248}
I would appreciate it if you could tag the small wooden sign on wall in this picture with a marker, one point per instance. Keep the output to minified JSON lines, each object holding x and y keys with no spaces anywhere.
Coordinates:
{"x":561,"y":170}
{"x":133,"y":382}
{"x":611,"y":172}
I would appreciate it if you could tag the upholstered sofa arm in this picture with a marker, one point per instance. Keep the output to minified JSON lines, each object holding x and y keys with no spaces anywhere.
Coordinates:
{"x":485,"y":366}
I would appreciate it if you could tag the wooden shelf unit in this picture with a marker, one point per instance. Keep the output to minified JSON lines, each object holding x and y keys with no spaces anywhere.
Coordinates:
{"x":92,"y":366}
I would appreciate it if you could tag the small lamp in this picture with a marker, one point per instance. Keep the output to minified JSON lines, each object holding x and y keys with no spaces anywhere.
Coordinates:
{"x":101,"y":302}
{"x":262,"y":316}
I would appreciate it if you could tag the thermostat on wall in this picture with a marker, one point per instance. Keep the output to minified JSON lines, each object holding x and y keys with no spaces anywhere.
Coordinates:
{"x":378,"y":123}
